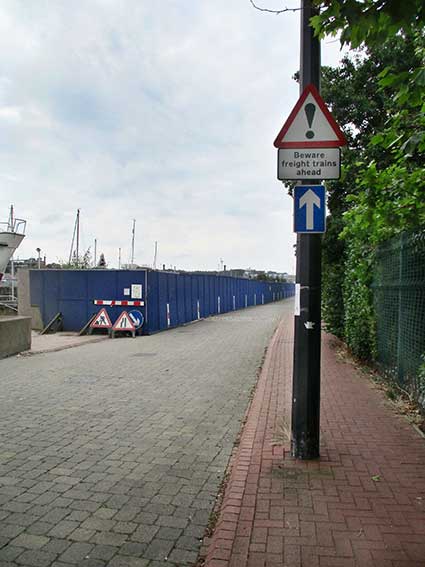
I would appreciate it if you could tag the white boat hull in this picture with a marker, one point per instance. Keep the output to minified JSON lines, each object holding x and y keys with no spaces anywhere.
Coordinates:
{"x":9,"y":242}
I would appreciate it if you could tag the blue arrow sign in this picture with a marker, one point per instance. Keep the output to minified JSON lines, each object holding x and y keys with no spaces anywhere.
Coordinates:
{"x":309,"y":208}
{"x":136,"y":318}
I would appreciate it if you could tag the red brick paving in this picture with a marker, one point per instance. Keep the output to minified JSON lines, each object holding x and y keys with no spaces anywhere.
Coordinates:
{"x":331,"y":512}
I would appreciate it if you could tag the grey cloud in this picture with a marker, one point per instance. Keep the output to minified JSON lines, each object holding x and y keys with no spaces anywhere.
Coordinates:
{"x":165,"y":112}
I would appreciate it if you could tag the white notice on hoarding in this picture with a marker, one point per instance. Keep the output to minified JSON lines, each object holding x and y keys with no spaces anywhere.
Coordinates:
{"x":136,"y":291}
{"x":317,"y":163}
{"x":297,"y":299}
{"x":126,"y":291}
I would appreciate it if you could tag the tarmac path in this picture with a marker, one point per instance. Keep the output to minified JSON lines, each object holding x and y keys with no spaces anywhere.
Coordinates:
{"x":112,"y":454}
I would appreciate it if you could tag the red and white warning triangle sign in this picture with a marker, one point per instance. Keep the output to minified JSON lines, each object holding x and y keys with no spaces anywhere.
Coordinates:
{"x":310,"y":124}
{"x":124,"y":323}
{"x":101,"y":321}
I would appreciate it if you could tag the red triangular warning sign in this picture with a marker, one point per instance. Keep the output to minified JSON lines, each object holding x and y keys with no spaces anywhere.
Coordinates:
{"x":310,"y":124}
{"x":101,"y":321}
{"x":124,"y":323}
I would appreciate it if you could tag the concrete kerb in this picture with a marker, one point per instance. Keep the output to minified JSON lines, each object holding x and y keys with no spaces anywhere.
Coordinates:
{"x":243,"y":441}
{"x":55,"y":348}
{"x":15,"y":335}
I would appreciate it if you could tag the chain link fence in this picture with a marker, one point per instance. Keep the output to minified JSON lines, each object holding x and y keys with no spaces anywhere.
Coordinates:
{"x":399,"y":300}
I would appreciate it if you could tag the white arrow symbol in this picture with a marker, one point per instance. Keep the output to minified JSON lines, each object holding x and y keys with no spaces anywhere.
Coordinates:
{"x":136,"y":320}
{"x":309,"y":325}
{"x":310,"y":199}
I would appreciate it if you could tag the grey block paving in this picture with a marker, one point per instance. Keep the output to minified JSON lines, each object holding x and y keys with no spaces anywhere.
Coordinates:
{"x":112,"y":454}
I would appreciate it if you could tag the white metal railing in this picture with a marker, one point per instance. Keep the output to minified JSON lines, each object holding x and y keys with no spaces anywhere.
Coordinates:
{"x":9,"y":304}
{"x":17,"y":226}
{"x":6,"y":298}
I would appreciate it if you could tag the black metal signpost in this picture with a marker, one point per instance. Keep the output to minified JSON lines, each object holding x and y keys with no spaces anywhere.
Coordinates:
{"x":308,"y":151}
{"x":306,"y":371}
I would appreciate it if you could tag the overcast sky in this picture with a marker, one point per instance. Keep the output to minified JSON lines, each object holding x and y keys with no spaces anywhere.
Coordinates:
{"x":164,"y":112}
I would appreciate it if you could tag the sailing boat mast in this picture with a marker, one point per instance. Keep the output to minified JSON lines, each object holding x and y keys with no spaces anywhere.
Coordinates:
{"x":155,"y":255}
{"x":12,"y":263}
{"x":76,"y":232}
{"x":78,"y":237}
{"x":132,"y":242}
{"x":10,"y":223}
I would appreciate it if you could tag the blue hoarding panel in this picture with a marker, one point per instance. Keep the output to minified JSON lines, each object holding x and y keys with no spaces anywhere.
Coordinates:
{"x":51,"y":294}
{"x":152,"y":307}
{"x":188,"y":299}
{"x":172,"y":299}
{"x":162,"y":301}
{"x":203,"y":297}
{"x":194,"y":283}
{"x":180,"y":299}
{"x":73,"y":293}
{"x":74,"y":311}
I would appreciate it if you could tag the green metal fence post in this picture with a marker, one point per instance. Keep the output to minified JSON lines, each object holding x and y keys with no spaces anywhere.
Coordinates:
{"x":400,"y":322}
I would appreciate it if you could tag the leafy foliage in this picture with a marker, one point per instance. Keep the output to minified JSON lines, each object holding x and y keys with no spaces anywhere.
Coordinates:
{"x":102,"y":262}
{"x":83,"y":262}
{"x":378,"y":97}
{"x":359,"y":320}
{"x":367,"y":22}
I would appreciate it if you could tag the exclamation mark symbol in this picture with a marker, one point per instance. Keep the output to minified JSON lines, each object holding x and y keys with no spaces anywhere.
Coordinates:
{"x":310,"y":110}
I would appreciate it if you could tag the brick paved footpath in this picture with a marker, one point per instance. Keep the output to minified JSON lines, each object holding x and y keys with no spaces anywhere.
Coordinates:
{"x":111,"y":454}
{"x":361,"y":504}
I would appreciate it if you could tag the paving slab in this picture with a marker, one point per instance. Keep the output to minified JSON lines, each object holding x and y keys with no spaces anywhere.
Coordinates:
{"x":361,"y":504}
{"x":52,"y":342}
{"x":113,"y":453}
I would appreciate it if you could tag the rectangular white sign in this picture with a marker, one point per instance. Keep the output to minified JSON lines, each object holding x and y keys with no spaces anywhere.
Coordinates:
{"x":297,"y":299}
{"x":136,"y":291}
{"x":307,"y":163}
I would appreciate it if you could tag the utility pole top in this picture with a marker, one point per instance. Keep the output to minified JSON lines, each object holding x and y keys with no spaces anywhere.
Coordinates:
{"x":310,"y":49}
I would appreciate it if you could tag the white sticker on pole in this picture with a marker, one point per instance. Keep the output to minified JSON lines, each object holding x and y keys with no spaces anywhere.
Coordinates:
{"x":297,"y":299}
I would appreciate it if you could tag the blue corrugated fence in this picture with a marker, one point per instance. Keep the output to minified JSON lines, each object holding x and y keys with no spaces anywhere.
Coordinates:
{"x":170,"y":299}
